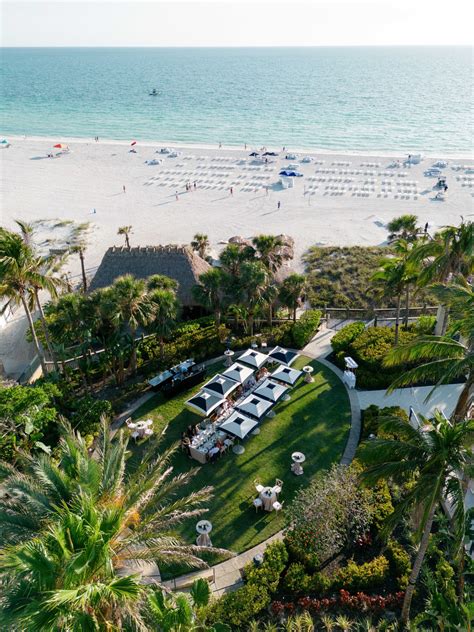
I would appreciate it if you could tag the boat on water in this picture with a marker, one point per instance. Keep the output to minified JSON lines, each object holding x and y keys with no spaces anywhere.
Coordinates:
{"x":154,"y":93}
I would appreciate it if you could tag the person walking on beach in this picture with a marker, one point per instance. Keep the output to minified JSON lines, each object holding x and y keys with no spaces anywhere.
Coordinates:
{"x":279,"y":204}
{"x":220,"y":145}
{"x":123,"y":188}
{"x":266,"y":190}
{"x":245,"y":146}
{"x":177,"y":196}
{"x":231,"y":191}
{"x":426,"y":228}
{"x":195,"y":187}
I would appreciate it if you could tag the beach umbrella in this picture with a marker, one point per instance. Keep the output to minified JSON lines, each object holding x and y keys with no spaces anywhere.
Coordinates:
{"x":60,"y":146}
{"x":238,"y":373}
{"x":254,"y":358}
{"x":270,"y":390}
{"x":4,"y":142}
{"x":291,"y":174}
{"x":255,"y":406}
{"x":221,"y":385}
{"x":286,"y":375}
{"x":254,"y":153}
{"x":204,"y":403}
{"x":283,"y":356}
{"x":134,"y":142}
{"x":238,"y":425}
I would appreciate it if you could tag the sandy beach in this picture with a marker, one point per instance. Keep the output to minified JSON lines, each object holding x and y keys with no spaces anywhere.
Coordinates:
{"x":342,"y":199}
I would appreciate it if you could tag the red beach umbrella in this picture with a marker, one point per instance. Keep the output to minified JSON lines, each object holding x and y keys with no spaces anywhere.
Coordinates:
{"x":134,"y":142}
{"x":60,"y":146}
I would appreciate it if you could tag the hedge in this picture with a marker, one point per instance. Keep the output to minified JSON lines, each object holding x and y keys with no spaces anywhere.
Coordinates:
{"x":239,"y":607}
{"x":343,"y":338}
{"x":306,"y":327}
{"x":369,"y":575}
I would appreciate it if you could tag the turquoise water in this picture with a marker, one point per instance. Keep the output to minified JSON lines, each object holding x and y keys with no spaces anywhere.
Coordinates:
{"x":332,"y":98}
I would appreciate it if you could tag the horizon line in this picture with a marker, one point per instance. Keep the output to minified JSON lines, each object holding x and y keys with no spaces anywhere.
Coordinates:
{"x":249,"y":46}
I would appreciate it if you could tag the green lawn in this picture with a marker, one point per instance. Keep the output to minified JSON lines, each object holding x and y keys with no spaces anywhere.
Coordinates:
{"x":315,"y":421}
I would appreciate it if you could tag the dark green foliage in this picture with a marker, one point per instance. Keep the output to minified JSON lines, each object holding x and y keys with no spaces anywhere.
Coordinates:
{"x":368,"y":349}
{"x":366,"y":576}
{"x":346,"y":335}
{"x":239,"y":607}
{"x":27,"y":415}
{"x":400,"y":563}
{"x":381,"y":504}
{"x":373,"y":414}
{"x":86,"y":414}
{"x":306,"y":327}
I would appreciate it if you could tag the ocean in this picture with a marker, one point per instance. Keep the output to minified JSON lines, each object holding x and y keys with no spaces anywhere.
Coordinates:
{"x":346,"y":98}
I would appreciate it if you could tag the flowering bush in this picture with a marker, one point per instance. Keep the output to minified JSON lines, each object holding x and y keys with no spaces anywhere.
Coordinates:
{"x":327,"y":515}
{"x":359,"y":602}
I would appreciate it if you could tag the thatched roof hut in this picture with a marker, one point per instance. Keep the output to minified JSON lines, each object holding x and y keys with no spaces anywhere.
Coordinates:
{"x":177,"y":262}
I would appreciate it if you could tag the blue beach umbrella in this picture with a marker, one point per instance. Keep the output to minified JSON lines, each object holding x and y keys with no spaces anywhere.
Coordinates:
{"x":291,"y":174}
{"x":4,"y":142}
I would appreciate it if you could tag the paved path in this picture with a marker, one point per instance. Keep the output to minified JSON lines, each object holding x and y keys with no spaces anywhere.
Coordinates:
{"x":444,"y":398}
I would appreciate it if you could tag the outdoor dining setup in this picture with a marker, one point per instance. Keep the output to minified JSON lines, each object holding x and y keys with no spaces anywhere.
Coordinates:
{"x":235,"y":402}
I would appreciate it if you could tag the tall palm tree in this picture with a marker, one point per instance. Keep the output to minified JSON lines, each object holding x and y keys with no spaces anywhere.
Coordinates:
{"x":200,"y":244}
{"x":125,"y":231}
{"x":448,"y":254}
{"x":46,"y":278}
{"x":133,"y":309}
{"x":269,"y":250}
{"x":17,"y":269}
{"x":232,"y":258}
{"x":291,"y":291}
{"x":165,"y":308}
{"x":440,"y":455}
{"x":210,"y":292}
{"x":140,"y":508}
{"x":443,"y":358}
{"x":391,"y":280}
{"x":254,"y":281}
{"x":77,"y":243}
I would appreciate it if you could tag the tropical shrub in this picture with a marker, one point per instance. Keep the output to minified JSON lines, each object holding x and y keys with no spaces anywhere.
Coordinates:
{"x":360,"y":602}
{"x":268,"y":573}
{"x":306,"y":327}
{"x":380,"y":504}
{"x":27,"y":416}
{"x":296,"y":580}
{"x":346,"y":335}
{"x":86,"y":414}
{"x":400,"y":563}
{"x":372,"y":415}
{"x":239,"y":607}
{"x":369,"y":575}
{"x":424,"y":325}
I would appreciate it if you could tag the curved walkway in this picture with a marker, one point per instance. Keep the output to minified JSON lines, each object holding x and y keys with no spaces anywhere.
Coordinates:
{"x":227,"y":576}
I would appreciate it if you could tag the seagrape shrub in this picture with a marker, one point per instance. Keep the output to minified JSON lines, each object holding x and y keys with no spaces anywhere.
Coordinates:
{"x":346,"y":335}
{"x":306,"y":327}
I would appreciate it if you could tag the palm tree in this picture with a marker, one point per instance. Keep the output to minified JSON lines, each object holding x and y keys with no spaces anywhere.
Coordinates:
{"x":443,"y":358}
{"x":17,"y":268}
{"x":403,"y":227}
{"x":77,"y":243}
{"x":162,"y":282}
{"x":440,"y":455}
{"x":391,"y":281}
{"x":125,"y":231}
{"x":133,"y":309}
{"x":291,"y":291}
{"x":448,"y":254}
{"x":403,"y":249}
{"x":165,"y":308}
{"x":232,"y":258}
{"x":72,"y":526}
{"x":200,"y":243}
{"x":254,"y":281}
{"x":210,"y":292}
{"x":269,"y":250}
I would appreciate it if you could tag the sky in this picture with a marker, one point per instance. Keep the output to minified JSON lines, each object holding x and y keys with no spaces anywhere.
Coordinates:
{"x":230,"y":23}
